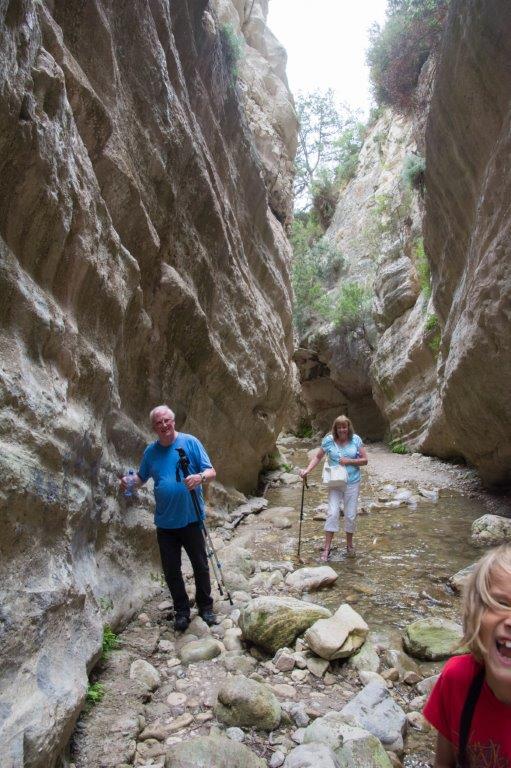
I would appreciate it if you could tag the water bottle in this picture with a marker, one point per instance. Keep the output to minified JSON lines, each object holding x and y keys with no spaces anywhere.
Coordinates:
{"x":130,"y":484}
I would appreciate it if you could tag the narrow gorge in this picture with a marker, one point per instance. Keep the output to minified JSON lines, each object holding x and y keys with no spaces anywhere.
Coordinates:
{"x":146,"y":208}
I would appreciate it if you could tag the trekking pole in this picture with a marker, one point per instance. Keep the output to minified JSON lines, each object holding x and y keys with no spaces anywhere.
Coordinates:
{"x":304,"y":486}
{"x":210,"y":550}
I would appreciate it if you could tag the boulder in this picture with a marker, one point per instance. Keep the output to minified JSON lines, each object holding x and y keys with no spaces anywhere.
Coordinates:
{"x":366,"y":659}
{"x":212,"y":752}
{"x":399,"y":660}
{"x":309,"y":579}
{"x":338,"y":636}
{"x":354,"y":747}
{"x":237,"y":559}
{"x":458,"y":581}
{"x":313,"y":755}
{"x":145,"y":674}
{"x":247,"y":703}
{"x":490,"y":530}
{"x":375,"y":710}
{"x":200,"y":650}
{"x":275,"y":622}
{"x":433,"y":639}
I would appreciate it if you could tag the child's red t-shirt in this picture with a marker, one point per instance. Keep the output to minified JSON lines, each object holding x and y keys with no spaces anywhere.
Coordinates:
{"x":489,"y":743}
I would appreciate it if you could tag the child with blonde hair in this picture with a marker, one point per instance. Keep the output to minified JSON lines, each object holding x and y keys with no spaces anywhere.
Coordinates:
{"x":470,"y":705}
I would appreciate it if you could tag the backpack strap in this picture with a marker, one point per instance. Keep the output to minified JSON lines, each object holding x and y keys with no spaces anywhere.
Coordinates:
{"x":467,"y":714}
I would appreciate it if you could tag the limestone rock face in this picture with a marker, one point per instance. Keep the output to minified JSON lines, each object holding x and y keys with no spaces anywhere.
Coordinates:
{"x":467,"y":236}
{"x":143,"y":260}
{"x":335,"y":363}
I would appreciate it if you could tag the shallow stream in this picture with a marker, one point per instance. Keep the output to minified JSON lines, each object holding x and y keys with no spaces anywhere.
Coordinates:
{"x":404,"y":557}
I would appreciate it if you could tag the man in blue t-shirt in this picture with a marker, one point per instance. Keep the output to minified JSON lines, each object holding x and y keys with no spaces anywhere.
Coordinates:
{"x":175,"y":516}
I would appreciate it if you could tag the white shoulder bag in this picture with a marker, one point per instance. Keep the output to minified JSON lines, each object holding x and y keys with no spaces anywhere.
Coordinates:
{"x":334,"y":477}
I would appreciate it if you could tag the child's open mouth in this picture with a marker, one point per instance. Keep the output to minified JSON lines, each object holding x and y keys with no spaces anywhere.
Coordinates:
{"x":504,"y":649}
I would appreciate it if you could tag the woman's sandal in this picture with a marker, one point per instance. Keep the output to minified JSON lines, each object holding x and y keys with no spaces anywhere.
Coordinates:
{"x":350,"y":551}
{"x":325,"y":555}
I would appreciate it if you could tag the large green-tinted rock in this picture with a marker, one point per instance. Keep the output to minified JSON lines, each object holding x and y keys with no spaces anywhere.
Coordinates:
{"x":248,"y":704}
{"x":433,"y":639}
{"x":276,"y":622}
{"x":212,"y":752}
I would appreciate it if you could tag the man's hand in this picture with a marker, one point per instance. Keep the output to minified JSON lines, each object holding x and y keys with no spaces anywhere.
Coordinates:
{"x":124,"y":482}
{"x":344,"y":462}
{"x":193,"y":481}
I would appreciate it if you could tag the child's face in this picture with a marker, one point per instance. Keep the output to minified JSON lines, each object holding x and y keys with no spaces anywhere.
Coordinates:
{"x":495,"y":635}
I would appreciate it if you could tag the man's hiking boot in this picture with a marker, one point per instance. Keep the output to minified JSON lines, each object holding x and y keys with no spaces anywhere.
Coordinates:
{"x":208,"y":616}
{"x":181,"y":622}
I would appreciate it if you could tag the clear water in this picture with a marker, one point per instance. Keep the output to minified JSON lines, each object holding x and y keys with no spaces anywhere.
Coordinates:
{"x":404,"y":556}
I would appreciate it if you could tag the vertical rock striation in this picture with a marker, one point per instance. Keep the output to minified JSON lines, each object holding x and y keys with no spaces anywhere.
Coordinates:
{"x":143,"y":259}
{"x":467,"y":236}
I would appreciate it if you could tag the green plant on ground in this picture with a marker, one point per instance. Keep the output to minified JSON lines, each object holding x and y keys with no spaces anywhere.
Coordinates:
{"x":397,"y":446}
{"x":422,"y":267}
{"x":413,"y":173}
{"x":232,"y":47}
{"x":110,"y":642}
{"x":95,"y":693}
{"x":287,"y":467}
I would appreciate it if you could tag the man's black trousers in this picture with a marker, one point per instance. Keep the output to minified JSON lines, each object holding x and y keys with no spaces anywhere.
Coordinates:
{"x":170,"y":541}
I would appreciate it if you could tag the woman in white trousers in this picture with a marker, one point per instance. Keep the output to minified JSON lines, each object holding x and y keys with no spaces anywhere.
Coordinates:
{"x":341,"y":446}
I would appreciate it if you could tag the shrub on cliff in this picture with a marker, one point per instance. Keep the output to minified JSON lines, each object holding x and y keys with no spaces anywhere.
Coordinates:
{"x":399,"y":49}
{"x":316,"y":263}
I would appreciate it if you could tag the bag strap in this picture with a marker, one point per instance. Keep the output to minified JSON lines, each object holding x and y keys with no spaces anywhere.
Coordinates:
{"x":467,"y":714}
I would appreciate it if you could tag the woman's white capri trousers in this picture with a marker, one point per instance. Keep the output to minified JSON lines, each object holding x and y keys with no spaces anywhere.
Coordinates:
{"x":335,"y":498}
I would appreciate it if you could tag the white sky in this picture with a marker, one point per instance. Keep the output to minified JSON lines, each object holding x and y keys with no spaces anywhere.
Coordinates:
{"x":326,"y":42}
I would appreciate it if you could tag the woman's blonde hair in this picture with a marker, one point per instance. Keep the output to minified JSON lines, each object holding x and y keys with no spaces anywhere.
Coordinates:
{"x":342,"y":420}
{"x":477,"y":596}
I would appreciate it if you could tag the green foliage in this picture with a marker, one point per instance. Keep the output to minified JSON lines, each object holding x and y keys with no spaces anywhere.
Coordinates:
{"x":329,"y":142}
{"x":413,"y":173}
{"x":232,"y":47}
{"x":325,"y":193}
{"x":315,"y":262}
{"x":431,"y":323}
{"x":95,"y":693}
{"x":422,"y":267}
{"x":396,"y":446}
{"x":434,"y":342}
{"x":434,"y":333}
{"x":353,"y":306}
{"x":398,"y":50}
{"x":106,"y":604}
{"x":304,"y":429}
{"x":110,"y":642}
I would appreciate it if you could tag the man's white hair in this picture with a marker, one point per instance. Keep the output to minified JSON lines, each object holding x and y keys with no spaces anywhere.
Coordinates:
{"x":161,"y":408}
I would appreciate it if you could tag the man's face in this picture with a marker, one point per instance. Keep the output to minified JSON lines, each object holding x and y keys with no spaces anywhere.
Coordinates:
{"x":164,"y":425}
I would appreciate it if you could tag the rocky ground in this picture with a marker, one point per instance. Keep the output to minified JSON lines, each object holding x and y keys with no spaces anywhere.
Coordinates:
{"x":246,"y":693}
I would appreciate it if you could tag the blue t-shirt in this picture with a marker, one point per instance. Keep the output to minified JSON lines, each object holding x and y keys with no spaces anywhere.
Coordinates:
{"x":174,"y":505}
{"x":334,"y":451}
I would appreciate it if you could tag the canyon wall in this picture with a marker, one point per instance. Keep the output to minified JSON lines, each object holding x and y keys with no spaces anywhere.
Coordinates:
{"x":439,"y":368}
{"x":143,"y":260}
